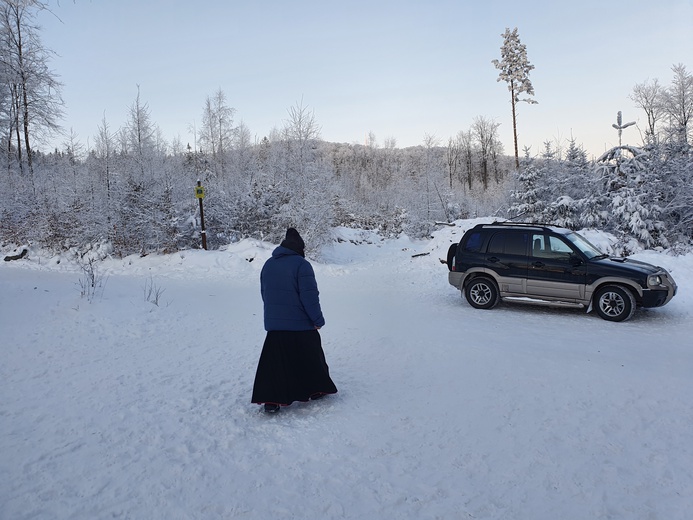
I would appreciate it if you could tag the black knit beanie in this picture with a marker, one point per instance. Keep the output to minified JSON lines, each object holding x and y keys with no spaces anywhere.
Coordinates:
{"x":294,"y":241}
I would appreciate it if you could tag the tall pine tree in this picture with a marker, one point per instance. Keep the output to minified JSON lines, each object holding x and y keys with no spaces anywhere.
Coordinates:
{"x":514,"y":70}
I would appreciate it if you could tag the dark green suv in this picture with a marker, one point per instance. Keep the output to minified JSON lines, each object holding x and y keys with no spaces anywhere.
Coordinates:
{"x":533,"y":263}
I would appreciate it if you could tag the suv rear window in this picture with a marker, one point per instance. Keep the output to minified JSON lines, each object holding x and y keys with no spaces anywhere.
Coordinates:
{"x":473,"y":244}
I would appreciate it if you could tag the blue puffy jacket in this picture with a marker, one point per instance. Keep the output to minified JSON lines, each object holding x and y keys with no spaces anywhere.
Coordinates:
{"x":290,"y":292}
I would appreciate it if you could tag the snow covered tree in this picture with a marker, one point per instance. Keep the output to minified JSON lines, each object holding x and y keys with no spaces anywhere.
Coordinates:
{"x":143,"y":202}
{"x":581,"y":206}
{"x":486,"y":133}
{"x":301,"y":131}
{"x":576,"y":157}
{"x":139,"y":136}
{"x":678,"y":104}
{"x":104,"y":155}
{"x":431,"y":165}
{"x":466,"y":139}
{"x":217,"y":131}
{"x":514,"y":70}
{"x":632,"y":193}
{"x":452,"y":158}
{"x":529,"y":196}
{"x":304,"y":182}
{"x":648,"y":97}
{"x":31,"y":92}
{"x":678,"y":208}
{"x":243,"y":160}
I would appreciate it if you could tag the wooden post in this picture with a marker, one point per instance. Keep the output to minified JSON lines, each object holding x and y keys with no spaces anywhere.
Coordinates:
{"x":200,"y":194}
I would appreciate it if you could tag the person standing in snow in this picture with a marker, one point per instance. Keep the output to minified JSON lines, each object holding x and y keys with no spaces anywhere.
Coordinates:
{"x":292,"y":364}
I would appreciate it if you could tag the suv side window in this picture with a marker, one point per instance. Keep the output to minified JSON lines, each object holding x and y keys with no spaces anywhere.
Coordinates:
{"x":558,"y":246}
{"x":549,"y":246}
{"x":508,"y":243}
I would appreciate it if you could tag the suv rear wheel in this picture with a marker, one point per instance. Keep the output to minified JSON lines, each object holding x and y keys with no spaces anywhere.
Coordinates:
{"x":482,"y":293}
{"x":614,"y":303}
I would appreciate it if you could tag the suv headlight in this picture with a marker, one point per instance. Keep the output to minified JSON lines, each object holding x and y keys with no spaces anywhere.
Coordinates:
{"x":654,"y":280}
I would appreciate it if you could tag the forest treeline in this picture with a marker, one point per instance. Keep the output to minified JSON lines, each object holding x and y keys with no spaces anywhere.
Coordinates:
{"x":136,"y":192}
{"x":132,"y":192}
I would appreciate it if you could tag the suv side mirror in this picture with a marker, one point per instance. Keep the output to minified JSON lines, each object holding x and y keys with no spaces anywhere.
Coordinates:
{"x":575,"y":260}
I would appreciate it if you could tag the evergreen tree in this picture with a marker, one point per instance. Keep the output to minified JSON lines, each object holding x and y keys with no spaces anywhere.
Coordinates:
{"x":529,"y":196}
{"x":514,"y":70}
{"x":632,"y":194}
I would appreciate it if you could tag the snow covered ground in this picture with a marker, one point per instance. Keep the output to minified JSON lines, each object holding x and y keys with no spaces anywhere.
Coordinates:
{"x":120,"y":408}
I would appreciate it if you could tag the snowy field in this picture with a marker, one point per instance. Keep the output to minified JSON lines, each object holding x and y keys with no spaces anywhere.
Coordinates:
{"x":121,"y":408}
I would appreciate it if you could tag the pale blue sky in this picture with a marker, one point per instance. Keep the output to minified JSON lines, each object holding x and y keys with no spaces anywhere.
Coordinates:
{"x":399,"y":69}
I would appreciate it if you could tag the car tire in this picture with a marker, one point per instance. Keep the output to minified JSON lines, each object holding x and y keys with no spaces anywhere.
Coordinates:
{"x":482,"y":293}
{"x":614,"y":303}
{"x":452,"y":251}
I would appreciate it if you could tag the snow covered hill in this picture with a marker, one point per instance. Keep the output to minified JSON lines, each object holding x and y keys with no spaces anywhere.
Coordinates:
{"x":121,"y":408}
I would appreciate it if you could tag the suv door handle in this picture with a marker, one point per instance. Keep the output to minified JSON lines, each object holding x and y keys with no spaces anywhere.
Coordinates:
{"x":493,"y":259}
{"x":538,"y":264}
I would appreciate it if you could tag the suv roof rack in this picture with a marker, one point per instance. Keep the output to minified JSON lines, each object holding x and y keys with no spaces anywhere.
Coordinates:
{"x":538,"y":225}
{"x":527,"y":224}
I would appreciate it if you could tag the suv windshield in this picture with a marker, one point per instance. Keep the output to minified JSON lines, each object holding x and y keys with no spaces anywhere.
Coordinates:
{"x":584,"y":245}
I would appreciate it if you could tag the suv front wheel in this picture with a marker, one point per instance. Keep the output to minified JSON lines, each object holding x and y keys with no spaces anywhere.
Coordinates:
{"x":482,"y":293}
{"x":614,"y":303}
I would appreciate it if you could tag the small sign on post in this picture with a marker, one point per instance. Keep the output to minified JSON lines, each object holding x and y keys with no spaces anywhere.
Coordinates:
{"x":200,"y":194}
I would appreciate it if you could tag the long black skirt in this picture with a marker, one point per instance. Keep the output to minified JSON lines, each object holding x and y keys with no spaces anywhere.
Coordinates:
{"x":292,"y":367}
